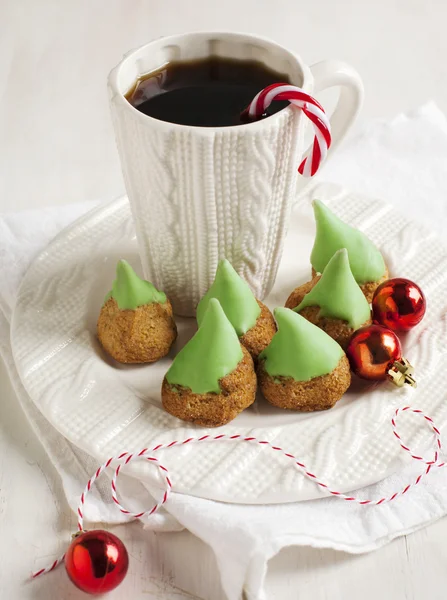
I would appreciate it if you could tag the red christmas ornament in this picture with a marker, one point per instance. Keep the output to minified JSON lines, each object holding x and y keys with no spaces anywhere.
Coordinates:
{"x":96,"y":561}
{"x":398,"y":304}
{"x":374,"y":352}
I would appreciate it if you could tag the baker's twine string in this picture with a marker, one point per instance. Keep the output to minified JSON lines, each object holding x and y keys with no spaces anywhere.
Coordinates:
{"x":310,"y":107}
{"x":146,"y":454}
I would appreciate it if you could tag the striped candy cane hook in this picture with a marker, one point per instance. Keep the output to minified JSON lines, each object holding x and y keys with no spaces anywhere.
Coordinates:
{"x":310,"y":107}
{"x":123,"y":459}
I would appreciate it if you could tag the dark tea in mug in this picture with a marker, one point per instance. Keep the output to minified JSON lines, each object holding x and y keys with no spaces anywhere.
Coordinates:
{"x":211,"y":92}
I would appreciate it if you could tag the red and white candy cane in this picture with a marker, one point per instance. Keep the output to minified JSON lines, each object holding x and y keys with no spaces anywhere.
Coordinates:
{"x":146,"y":454}
{"x":310,"y":107}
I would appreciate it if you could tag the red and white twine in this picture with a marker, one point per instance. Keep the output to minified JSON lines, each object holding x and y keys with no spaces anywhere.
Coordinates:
{"x":117,"y":462}
{"x":313,"y":111}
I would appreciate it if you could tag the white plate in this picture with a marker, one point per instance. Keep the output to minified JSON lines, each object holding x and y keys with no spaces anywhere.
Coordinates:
{"x":105,"y":408}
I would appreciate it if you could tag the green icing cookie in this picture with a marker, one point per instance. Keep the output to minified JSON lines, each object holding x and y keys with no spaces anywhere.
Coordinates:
{"x":130,"y":291}
{"x":338,"y":294}
{"x":299,"y":349}
{"x":235,"y":297}
{"x":332,"y":234}
{"x":212,"y":353}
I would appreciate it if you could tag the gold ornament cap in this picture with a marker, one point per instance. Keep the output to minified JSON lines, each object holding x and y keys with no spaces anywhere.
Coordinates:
{"x":401,"y":373}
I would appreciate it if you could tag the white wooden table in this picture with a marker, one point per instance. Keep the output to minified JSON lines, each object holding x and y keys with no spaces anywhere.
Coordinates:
{"x":56,"y":147}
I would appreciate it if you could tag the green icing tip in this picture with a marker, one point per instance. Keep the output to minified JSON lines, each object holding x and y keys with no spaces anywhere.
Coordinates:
{"x":211,"y":354}
{"x":299,"y":349}
{"x":366,"y":262}
{"x":130,"y":291}
{"x":338,"y":294}
{"x":235,"y":297}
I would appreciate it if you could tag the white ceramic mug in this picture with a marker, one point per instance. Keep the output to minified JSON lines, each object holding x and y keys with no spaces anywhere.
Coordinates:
{"x":199,"y":194}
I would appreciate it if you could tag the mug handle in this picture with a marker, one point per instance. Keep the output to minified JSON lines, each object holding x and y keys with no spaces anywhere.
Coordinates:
{"x":329,"y":73}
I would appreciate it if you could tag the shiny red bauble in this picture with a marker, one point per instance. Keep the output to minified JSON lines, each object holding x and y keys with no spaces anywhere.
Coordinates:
{"x":372,"y":352}
{"x":96,"y":561}
{"x":398,"y":304}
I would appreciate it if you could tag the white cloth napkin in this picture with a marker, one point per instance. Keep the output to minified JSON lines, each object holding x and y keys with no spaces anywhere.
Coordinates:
{"x":403,"y":162}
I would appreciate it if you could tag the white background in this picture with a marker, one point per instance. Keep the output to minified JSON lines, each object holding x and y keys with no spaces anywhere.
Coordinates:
{"x":56,"y":147}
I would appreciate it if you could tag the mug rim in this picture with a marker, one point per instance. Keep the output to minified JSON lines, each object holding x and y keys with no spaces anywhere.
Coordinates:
{"x":118,"y":95}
